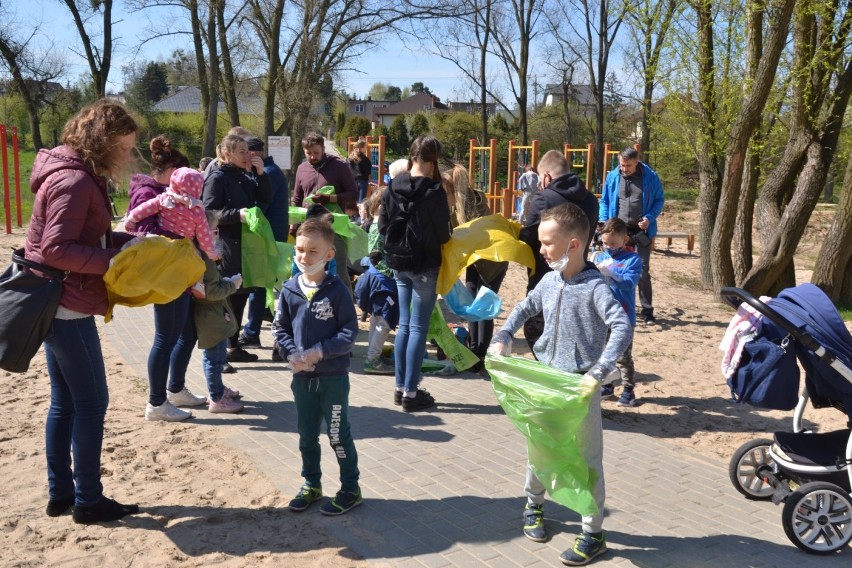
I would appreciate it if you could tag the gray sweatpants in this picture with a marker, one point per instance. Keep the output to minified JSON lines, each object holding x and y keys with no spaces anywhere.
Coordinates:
{"x":591,"y":433}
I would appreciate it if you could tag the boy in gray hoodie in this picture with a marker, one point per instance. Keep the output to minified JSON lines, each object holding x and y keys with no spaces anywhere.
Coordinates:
{"x":579,"y":310}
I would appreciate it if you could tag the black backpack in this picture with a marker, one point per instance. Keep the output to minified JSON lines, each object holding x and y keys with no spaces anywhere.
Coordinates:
{"x":404,"y":239}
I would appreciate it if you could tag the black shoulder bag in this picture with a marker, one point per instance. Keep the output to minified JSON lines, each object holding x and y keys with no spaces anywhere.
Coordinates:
{"x":28,"y":304}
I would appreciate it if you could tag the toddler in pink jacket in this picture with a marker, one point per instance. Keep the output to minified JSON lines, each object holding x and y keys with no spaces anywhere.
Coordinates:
{"x":179,"y":210}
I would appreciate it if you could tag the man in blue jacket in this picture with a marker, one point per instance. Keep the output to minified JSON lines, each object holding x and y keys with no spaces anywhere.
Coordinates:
{"x":634,"y":194}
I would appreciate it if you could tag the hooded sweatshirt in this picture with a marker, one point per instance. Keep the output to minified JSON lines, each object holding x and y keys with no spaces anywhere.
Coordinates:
{"x":70,"y":228}
{"x":427,"y":201}
{"x":578,"y":314}
{"x":567,"y":188}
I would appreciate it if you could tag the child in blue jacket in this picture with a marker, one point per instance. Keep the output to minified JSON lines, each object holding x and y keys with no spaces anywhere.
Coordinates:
{"x":622,"y":269}
{"x":315,"y":328}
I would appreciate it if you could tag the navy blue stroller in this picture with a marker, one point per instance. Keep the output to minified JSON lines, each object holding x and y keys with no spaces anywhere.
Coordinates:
{"x":810,"y":472}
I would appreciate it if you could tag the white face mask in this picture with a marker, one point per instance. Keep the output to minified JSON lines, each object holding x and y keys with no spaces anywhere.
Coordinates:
{"x":311,"y":269}
{"x":559,"y":265}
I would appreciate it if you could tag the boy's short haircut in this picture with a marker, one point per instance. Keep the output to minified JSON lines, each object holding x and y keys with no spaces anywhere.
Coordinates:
{"x":318,"y":227}
{"x":571,"y":220}
{"x":204,"y":162}
{"x":615,"y":226}
{"x":554,"y":163}
{"x":372,"y":203}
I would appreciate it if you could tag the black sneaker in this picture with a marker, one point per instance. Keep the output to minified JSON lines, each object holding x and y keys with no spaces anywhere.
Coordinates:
{"x":306,"y":496}
{"x":534,"y":523}
{"x":228,"y":369}
{"x":104,"y":511}
{"x":421,"y":401}
{"x":248,"y":341}
{"x":276,"y":356}
{"x":240,"y":355}
{"x":56,"y":507}
{"x":397,"y":397}
{"x":342,"y":502}
{"x":649,"y":318}
{"x":586,"y":548}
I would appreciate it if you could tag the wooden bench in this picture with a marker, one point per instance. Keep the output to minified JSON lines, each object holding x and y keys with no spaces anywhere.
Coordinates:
{"x":690,"y":239}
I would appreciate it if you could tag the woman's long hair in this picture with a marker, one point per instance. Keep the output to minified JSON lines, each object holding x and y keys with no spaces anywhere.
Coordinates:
{"x":93,"y":131}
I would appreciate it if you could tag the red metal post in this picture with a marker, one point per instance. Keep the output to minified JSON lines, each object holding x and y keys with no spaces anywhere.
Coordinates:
{"x":4,"y":155}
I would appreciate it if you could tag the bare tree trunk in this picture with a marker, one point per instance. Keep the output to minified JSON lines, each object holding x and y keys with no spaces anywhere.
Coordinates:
{"x":12,"y":54}
{"x":483,"y":58}
{"x":228,"y":82}
{"x":747,"y":121}
{"x":212,"y":80}
{"x":833,"y":269}
{"x":99,"y":60}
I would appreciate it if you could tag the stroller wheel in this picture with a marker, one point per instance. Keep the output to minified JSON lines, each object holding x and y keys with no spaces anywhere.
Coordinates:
{"x":817,"y":517}
{"x":745,"y":468}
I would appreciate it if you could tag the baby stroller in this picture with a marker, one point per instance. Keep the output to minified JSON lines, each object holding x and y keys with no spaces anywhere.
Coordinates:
{"x":811,"y":473}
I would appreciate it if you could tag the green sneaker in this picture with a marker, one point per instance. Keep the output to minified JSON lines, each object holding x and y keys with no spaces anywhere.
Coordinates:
{"x":377,"y":367}
{"x":534,"y":523}
{"x":586,"y":548}
{"x":342,"y":502}
{"x":305,"y":497}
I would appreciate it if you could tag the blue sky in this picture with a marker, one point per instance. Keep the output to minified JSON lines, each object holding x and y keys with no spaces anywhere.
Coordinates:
{"x":392,"y":62}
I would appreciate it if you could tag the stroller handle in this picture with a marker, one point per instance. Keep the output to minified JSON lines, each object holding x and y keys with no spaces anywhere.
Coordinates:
{"x":730,"y":293}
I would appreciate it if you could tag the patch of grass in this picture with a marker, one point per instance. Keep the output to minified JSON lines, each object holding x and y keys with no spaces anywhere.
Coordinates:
{"x":690,"y":281}
{"x":845,"y":312}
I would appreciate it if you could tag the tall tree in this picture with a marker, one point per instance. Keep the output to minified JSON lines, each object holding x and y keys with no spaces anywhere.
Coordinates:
{"x":99,"y":57}
{"x":833,"y":268}
{"x":516,"y":26}
{"x":595,"y":32}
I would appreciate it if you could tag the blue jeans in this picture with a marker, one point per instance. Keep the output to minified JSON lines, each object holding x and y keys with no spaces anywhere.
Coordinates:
{"x":417,"y":298}
{"x":318,"y":399}
{"x":256,"y":311}
{"x":174,"y":340}
{"x":213,"y":360}
{"x":78,"y":404}
{"x":362,"y":189}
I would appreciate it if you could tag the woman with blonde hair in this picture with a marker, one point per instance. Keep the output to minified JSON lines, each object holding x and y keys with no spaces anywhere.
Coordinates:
{"x":71,"y":230}
{"x":359,"y":163}
{"x":469,"y":204}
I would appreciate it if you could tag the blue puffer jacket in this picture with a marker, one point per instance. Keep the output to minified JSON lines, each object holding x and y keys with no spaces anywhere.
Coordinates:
{"x":329,"y":319}
{"x":652,"y":197}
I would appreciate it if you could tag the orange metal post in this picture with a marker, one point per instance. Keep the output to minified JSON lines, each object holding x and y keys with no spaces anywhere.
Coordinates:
{"x":382,"y":142}
{"x":566,"y":151}
{"x":492,"y":163}
{"x":471,"y":161}
{"x":508,"y":198}
{"x":590,"y":166}
{"x":350,"y":142}
{"x":535,"y":153}
{"x":17,"y":170}
{"x":511,"y":165}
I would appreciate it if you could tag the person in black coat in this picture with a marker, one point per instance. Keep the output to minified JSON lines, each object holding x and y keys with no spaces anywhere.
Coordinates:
{"x":560,"y":186}
{"x":236,"y":185}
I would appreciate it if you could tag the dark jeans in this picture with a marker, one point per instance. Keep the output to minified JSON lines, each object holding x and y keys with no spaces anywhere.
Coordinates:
{"x":482,"y":331}
{"x":78,"y":404}
{"x":362,"y":189}
{"x":646,"y":297}
{"x":318,"y":399}
{"x":174,"y":340}
{"x":256,"y":311}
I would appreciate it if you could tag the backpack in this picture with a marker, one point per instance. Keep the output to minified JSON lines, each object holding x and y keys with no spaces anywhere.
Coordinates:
{"x":404,"y":239}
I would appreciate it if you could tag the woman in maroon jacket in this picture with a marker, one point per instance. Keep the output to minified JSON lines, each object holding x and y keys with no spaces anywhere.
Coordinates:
{"x":70,"y":230}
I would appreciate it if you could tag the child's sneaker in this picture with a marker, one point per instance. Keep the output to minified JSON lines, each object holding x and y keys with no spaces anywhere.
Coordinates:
{"x":377,"y":367}
{"x":607,"y":392}
{"x":421,"y":401}
{"x":342,"y":502}
{"x":627,"y":398}
{"x":534,"y":523}
{"x":232,"y":393}
{"x":586,"y":548}
{"x":225,"y":405}
{"x":305,"y":497}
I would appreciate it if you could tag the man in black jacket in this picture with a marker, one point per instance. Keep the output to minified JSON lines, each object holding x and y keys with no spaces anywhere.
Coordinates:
{"x":559,"y":185}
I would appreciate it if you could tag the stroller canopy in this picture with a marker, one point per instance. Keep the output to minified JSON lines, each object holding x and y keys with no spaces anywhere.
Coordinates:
{"x":810,"y":310}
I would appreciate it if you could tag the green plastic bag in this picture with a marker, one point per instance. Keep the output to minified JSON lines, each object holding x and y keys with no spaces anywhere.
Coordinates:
{"x":260,"y":259}
{"x":462,"y":357}
{"x":324,"y":190}
{"x":548,"y":406}
{"x":354,"y":236}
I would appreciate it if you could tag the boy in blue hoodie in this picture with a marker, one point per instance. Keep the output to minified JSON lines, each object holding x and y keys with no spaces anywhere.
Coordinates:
{"x":579,"y":313}
{"x":315,"y":328}
{"x":621,"y":267}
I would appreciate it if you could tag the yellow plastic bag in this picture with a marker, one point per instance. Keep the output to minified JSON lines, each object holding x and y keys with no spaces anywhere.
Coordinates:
{"x":154,"y":271}
{"x":492,"y":237}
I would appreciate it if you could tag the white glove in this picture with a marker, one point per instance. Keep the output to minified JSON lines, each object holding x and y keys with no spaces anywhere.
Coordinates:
{"x":597,"y":373}
{"x":313,"y":355}
{"x":501,"y":344}
{"x":243,"y":215}
{"x":236,"y":279}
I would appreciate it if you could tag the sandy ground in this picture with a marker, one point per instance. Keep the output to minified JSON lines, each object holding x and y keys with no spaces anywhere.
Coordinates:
{"x":683,"y":399}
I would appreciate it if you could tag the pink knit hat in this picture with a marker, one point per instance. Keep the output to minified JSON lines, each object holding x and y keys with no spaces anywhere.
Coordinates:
{"x":187,"y":181}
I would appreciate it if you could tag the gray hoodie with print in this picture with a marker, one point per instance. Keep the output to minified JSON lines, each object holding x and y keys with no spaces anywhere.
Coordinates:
{"x":577,"y":315}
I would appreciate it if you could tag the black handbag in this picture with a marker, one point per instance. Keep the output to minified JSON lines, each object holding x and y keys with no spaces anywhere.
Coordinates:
{"x":28,"y":304}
